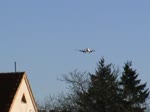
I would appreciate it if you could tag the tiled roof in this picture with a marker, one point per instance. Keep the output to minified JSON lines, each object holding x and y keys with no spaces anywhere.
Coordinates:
{"x":9,"y":83}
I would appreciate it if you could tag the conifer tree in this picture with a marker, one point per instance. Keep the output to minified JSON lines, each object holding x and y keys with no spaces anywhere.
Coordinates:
{"x":102,"y":94}
{"x":134,"y":94}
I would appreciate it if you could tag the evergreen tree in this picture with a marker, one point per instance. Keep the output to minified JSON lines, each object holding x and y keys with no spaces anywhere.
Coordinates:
{"x":133,"y":93}
{"x":102,"y":94}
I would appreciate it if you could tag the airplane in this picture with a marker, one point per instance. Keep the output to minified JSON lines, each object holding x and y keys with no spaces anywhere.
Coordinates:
{"x":87,"y":50}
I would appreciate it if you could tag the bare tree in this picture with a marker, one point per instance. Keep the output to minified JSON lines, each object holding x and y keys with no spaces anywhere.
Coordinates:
{"x":78,"y":82}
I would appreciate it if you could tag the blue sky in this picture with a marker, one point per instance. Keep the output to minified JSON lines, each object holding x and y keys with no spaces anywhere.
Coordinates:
{"x":42,"y":37}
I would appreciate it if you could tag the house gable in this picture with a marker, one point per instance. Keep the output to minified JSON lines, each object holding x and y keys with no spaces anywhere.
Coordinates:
{"x":23,"y":100}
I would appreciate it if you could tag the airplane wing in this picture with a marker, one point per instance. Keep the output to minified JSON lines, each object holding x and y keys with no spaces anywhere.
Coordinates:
{"x":82,"y":51}
{"x":92,"y":50}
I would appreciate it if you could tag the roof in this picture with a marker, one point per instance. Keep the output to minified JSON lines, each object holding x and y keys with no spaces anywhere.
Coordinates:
{"x":9,"y":83}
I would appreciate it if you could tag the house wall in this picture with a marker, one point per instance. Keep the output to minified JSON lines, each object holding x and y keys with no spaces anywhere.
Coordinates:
{"x":18,"y":104}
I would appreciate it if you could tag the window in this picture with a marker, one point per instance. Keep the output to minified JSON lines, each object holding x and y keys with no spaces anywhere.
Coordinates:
{"x":23,"y":99}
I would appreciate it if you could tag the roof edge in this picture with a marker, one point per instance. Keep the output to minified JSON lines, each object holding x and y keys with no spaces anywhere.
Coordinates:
{"x":30,"y":92}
